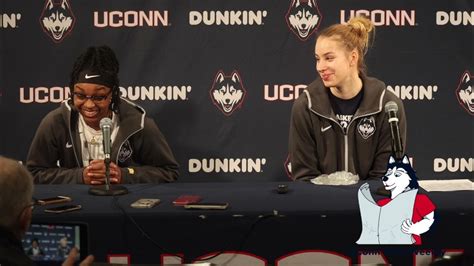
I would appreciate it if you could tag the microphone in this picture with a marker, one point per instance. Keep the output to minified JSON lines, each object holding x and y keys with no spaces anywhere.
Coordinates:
{"x":105,"y":126}
{"x":107,"y":189}
{"x":391,"y":109}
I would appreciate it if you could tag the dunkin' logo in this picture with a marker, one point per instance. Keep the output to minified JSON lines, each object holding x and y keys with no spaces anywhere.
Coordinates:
{"x":9,"y":20}
{"x":226,"y":165}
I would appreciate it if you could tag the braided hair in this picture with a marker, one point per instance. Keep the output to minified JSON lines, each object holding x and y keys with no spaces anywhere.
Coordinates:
{"x":101,"y":60}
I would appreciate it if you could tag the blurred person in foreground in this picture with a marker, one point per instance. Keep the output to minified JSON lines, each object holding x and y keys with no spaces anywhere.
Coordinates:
{"x":16,"y":206}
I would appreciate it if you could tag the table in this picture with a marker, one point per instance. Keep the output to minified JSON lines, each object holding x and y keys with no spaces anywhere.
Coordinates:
{"x":259,"y":223}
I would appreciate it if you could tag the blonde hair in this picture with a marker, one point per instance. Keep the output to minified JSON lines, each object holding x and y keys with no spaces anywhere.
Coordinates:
{"x":358,"y":34}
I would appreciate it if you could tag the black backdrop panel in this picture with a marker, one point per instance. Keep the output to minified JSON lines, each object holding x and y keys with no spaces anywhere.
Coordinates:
{"x":172,"y":51}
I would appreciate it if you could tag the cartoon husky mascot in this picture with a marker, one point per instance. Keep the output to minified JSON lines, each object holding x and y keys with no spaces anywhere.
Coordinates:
{"x":57,"y":19}
{"x":227,"y":92}
{"x":403,"y":217}
{"x":465,"y":94}
{"x":303,"y":17}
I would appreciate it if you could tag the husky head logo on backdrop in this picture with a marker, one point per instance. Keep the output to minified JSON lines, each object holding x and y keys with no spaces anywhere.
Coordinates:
{"x":57,"y":19}
{"x":303,"y":18}
{"x":227,"y":92}
{"x":465,"y":94}
{"x":366,"y":127}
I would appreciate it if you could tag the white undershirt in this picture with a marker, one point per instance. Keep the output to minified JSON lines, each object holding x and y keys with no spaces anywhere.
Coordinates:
{"x":91,"y":139}
{"x":35,"y":251}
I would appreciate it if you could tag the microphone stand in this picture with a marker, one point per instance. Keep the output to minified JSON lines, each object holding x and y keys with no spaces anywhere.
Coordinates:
{"x":107,"y":189}
{"x":107,"y":172}
{"x":391,"y":109}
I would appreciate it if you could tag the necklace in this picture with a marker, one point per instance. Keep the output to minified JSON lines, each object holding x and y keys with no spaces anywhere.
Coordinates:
{"x":92,"y":142}
{"x":91,"y":139}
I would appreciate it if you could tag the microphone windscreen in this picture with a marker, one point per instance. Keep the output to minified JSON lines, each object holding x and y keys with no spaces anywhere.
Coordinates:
{"x":105,"y":122}
{"x":389,"y":107}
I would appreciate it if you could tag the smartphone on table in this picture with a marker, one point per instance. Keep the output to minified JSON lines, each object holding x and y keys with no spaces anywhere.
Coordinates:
{"x":186,"y":199}
{"x":145,"y":203}
{"x":53,"y":200}
{"x":63,"y":208}
{"x":207,"y":206}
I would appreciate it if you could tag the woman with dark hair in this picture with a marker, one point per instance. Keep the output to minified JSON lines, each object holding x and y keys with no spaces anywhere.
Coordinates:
{"x":35,"y":250}
{"x":67,"y":147}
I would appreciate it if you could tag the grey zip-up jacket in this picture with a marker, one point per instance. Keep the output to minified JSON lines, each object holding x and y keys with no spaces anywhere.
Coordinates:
{"x":319,"y":145}
{"x":139,"y":149}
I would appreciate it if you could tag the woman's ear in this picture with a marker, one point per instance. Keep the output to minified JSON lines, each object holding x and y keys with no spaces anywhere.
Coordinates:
{"x":354,"y":58}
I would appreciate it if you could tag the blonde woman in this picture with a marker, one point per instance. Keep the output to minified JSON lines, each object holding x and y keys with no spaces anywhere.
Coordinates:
{"x":339,"y":123}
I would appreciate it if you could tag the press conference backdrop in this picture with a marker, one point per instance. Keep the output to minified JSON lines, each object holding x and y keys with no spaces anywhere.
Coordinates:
{"x":174,"y":53}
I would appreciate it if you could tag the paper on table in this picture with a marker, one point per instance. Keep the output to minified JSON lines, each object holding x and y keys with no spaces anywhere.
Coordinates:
{"x":446,"y":185}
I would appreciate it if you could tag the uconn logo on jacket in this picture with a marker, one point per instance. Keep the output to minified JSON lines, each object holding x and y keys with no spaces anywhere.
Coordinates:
{"x":366,"y":127}
{"x":125,"y":152}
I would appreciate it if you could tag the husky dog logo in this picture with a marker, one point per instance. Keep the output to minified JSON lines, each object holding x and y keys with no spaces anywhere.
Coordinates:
{"x":227,"y":92}
{"x":57,"y":19}
{"x":465,"y":94}
{"x":366,"y":127}
{"x":303,"y":18}
{"x":125,"y":152}
{"x":408,"y":215}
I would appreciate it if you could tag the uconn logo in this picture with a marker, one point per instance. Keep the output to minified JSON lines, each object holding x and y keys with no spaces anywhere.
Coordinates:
{"x":382,"y":17}
{"x":57,"y":19}
{"x":303,"y":18}
{"x":227,"y":92}
{"x":464,"y":92}
{"x":131,"y":19}
{"x":282,"y":92}
{"x":44,"y":94}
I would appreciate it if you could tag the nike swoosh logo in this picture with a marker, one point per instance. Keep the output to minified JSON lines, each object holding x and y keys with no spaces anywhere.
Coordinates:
{"x":92,"y":76}
{"x":325,"y":128}
{"x":68,"y":145}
